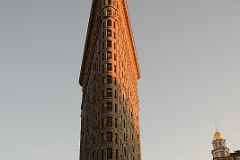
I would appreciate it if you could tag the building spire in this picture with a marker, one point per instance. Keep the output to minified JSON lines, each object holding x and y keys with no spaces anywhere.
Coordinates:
{"x":215,"y":123}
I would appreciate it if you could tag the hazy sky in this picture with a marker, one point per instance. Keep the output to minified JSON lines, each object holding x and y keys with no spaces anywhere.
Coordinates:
{"x":189,"y":52}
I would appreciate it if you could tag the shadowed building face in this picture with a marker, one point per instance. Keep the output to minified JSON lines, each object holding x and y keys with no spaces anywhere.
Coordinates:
{"x":109,"y":75}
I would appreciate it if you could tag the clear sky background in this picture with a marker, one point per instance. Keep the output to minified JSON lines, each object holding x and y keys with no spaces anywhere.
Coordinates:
{"x":189,"y":52}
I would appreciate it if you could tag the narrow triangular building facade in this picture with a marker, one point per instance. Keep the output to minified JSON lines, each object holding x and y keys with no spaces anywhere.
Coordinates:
{"x":109,"y":76}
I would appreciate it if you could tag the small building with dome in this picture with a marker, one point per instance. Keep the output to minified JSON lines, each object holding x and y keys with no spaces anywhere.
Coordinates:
{"x":220,"y":150}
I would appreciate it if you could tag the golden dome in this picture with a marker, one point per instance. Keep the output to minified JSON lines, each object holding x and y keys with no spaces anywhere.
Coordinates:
{"x":217,"y":135}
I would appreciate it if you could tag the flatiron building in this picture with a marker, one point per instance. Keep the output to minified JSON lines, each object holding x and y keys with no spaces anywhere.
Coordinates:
{"x":109,"y":75}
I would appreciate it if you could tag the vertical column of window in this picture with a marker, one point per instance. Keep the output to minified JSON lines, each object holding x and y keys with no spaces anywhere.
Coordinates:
{"x":109,"y":79}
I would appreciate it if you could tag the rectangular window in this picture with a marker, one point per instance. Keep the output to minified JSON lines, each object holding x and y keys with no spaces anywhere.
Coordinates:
{"x":103,"y":80}
{"x":103,"y":123}
{"x":103,"y":137}
{"x":109,"y":2}
{"x":222,"y":153}
{"x":102,"y":154}
{"x":109,"y":33}
{"x":109,"y":79}
{"x":103,"y":68}
{"x":109,"y":121}
{"x":109,"y":66}
{"x":109,"y":44}
{"x":109,"y":106}
{"x":109,"y":136}
{"x":109,"y":23}
{"x":109,"y":153}
{"x":109,"y":55}
{"x":109,"y":13}
{"x":116,"y":138}
{"x":116,"y":154}
{"x":103,"y":56}
{"x":115,"y":94}
{"x":115,"y":108}
{"x":109,"y":92}
{"x":116,"y":123}
{"x":103,"y":108}
{"x":115,"y":69}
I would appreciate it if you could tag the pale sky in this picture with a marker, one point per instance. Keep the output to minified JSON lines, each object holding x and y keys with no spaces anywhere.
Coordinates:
{"x":189,"y":53}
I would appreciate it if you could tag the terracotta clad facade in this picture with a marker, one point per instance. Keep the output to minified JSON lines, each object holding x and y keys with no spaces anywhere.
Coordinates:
{"x":109,"y":77}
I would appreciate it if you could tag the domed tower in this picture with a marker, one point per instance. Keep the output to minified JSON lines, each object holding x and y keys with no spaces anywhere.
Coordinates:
{"x":220,"y":149}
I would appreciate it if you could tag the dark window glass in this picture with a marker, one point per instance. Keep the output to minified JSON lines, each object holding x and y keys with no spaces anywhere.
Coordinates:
{"x":109,"y":44}
{"x":109,"y":66}
{"x":116,"y":154}
{"x":102,"y":137}
{"x":109,"y":106}
{"x":102,"y":154}
{"x":109,"y":23}
{"x":109,"y":153}
{"x":115,"y":122}
{"x":109,"y":92}
{"x":109,"y":55}
{"x":103,"y":56}
{"x":103,"y":108}
{"x":109,"y":79}
{"x":109,"y":33}
{"x":115,"y":108}
{"x":109,"y":13}
{"x":116,"y":138}
{"x":115,"y":94}
{"x":103,"y":80}
{"x":109,"y":121}
{"x":109,"y":2}
{"x":109,"y":136}
{"x":103,"y":123}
